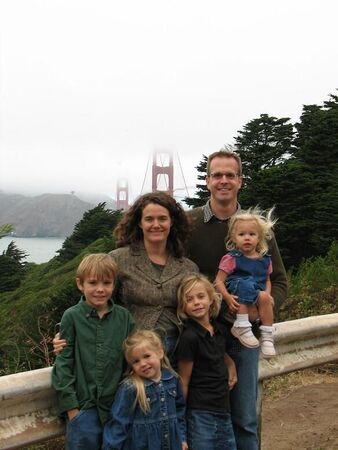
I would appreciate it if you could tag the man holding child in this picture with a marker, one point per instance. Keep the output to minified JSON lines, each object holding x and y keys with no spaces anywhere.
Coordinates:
{"x":206,"y":248}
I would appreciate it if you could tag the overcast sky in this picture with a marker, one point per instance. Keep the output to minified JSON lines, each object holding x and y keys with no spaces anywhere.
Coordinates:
{"x":90,"y":88}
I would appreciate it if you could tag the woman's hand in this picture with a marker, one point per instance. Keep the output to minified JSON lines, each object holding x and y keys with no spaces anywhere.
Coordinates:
{"x":184,"y":446}
{"x":58,"y":344}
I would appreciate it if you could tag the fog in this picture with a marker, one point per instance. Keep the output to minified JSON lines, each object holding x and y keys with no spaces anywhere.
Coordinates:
{"x":90,"y":89}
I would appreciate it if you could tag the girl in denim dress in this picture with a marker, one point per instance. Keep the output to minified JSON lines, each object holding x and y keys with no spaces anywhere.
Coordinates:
{"x":243,"y":277}
{"x":148,"y":412}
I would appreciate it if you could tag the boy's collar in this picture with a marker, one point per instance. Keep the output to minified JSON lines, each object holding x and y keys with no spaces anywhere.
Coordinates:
{"x":92,"y":312}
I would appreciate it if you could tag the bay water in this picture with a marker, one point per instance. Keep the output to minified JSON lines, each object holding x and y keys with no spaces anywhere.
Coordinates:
{"x":39,"y":249}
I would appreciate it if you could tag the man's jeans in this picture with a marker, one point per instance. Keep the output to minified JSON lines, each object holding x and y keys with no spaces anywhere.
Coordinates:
{"x":243,"y":396}
{"x":84,"y":432}
{"x":209,"y":430}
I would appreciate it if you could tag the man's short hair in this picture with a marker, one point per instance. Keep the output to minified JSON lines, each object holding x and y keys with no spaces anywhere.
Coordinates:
{"x":226,"y":152}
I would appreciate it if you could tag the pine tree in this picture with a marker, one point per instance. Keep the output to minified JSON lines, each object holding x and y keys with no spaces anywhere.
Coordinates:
{"x":12,"y":267}
{"x":264,"y":142}
{"x":96,"y":223}
{"x":202,"y":193}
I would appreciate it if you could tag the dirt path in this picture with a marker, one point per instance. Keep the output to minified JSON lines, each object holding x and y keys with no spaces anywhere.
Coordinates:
{"x":304,"y":419}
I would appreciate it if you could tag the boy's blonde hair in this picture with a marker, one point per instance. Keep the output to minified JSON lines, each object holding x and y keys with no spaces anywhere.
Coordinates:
{"x":97,"y":265}
{"x":151,"y":340}
{"x":187,"y":284}
{"x":264,"y":221}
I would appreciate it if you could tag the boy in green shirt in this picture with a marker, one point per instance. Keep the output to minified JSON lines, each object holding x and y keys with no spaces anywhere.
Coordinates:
{"x":86,"y":374}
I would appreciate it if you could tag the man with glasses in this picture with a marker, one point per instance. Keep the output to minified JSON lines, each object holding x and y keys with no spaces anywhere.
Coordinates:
{"x":206,"y":248}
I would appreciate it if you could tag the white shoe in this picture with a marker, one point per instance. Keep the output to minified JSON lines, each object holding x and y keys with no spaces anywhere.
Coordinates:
{"x":267,"y":347}
{"x":245,"y":336}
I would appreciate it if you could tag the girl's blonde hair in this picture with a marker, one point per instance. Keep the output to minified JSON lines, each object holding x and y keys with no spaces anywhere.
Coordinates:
{"x":143,"y":338}
{"x":264,"y":221}
{"x":187,"y":284}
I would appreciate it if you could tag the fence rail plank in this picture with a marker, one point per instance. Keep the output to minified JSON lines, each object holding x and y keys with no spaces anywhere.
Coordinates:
{"x":28,"y":403}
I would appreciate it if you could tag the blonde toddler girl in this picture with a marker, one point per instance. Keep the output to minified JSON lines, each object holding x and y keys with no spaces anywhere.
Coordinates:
{"x":148,"y":412}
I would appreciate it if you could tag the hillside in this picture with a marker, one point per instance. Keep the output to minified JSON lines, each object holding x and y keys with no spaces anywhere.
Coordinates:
{"x":43,"y":215}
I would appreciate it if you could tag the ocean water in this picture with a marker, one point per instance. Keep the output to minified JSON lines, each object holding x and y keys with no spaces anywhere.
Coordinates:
{"x":39,"y":249}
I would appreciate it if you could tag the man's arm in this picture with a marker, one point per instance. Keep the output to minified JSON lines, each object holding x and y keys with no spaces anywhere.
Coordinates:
{"x":278,"y":276}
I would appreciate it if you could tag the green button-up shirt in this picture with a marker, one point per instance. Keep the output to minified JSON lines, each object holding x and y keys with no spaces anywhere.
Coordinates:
{"x":87,"y":372}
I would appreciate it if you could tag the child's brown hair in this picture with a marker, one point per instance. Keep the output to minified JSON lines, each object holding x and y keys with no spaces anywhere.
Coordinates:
{"x":97,"y":265}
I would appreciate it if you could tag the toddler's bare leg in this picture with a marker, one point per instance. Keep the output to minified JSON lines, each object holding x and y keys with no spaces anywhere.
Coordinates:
{"x":253,"y":313}
{"x":265,"y":308}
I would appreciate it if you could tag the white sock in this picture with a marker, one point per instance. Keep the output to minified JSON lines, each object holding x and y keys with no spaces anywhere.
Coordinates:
{"x":242,"y":321}
{"x":266,"y":329}
{"x":267,"y":335}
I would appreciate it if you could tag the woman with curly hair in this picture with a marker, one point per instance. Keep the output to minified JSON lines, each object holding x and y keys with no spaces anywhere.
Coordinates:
{"x":150,"y":240}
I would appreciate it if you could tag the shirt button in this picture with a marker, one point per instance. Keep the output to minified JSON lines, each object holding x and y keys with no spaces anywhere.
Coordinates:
{"x":163,"y":414}
{"x":162,"y":399}
{"x":165,"y":436}
{"x":159,"y":286}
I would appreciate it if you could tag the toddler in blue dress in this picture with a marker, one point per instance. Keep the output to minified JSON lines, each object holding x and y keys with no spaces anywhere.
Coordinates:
{"x":243,"y":277}
{"x":148,"y":412}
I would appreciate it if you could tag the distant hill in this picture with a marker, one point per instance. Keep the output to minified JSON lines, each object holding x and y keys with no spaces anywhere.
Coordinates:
{"x":43,"y":215}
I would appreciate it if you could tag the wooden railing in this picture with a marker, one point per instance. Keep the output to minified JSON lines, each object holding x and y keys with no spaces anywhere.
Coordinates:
{"x":27,"y":401}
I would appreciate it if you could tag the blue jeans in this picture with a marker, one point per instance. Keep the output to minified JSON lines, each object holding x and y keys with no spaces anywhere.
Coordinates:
{"x":209,"y":430}
{"x":170,"y":344}
{"x":84,"y":432}
{"x":243,"y":397}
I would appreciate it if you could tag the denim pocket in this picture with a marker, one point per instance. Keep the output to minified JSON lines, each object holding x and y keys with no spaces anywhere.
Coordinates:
{"x":172,"y":392}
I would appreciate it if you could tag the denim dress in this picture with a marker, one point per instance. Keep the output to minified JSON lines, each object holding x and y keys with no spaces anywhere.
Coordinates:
{"x":248,"y":278}
{"x":162,"y":428}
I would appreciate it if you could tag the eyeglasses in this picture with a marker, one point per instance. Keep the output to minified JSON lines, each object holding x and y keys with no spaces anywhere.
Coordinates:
{"x":219,"y":175}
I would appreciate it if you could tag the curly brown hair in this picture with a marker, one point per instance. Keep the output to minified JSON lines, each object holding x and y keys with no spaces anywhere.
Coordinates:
{"x":128,"y":232}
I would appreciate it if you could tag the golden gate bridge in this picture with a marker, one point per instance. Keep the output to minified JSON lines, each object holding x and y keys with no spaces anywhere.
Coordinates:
{"x":162,"y":178}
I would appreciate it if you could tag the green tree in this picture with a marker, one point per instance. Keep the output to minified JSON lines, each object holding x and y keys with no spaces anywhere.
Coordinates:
{"x":96,"y":223}
{"x":5,"y":229}
{"x":12,"y":267}
{"x":317,"y":151}
{"x":202,"y":193}
{"x":303,"y":187}
{"x":263,"y":143}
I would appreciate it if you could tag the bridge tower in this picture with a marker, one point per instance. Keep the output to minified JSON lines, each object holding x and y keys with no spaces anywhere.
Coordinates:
{"x":122,"y":194}
{"x":159,"y":169}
